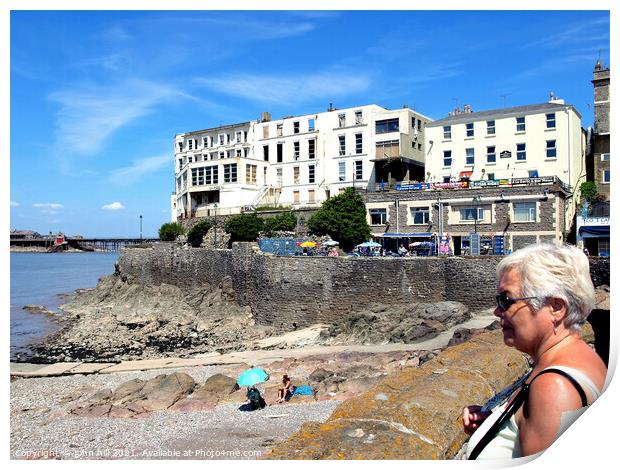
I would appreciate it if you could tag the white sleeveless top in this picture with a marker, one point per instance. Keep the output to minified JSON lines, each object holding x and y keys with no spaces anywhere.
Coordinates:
{"x":506,"y":444}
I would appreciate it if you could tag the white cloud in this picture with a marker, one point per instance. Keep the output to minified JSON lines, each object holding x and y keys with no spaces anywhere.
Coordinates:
{"x":14,"y":204}
{"x":48,"y":205}
{"x":89,"y":114}
{"x":115,"y":206}
{"x":293,"y":89}
{"x":140,"y":168}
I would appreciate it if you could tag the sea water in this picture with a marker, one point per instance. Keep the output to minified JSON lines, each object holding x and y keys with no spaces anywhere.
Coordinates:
{"x":41,"y":279}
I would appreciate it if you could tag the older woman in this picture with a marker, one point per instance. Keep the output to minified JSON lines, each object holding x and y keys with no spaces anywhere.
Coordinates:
{"x":544,"y":295}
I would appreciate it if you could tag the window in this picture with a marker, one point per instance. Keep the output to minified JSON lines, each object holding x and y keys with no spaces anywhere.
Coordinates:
{"x":469,"y":156}
{"x":222,"y":138}
{"x":296,"y":150}
{"x":246,"y":151}
{"x":190,"y":144}
{"x":532,"y":173}
{"x":604,"y":157}
{"x":190,"y":158}
{"x":447,"y":158}
{"x":205,"y":141}
{"x":222,"y":155}
{"x":279,"y":176}
{"x":419,"y":124}
{"x":524,"y":211}
{"x":230,"y":173}
{"x":266,"y":153}
{"x":311,"y":195}
{"x":469,"y":129}
{"x":311,"y":174}
{"x":420,"y":215}
{"x":265,"y":131}
{"x":550,"y":120}
{"x":378,"y":216}
{"x":387,"y":149}
{"x":296,"y":127}
{"x":278,"y":130}
{"x":358,"y":170}
{"x":342,"y":171}
{"x":469,"y":213}
{"x":419,"y":146}
{"x":551,"y":150}
{"x":180,"y":146}
{"x":446,"y":179}
{"x":238,"y":153}
{"x":447,"y":132}
{"x":204,"y":175}
{"x":490,"y":127}
{"x":412,"y":122}
{"x":279,"y":153}
{"x":342,"y":120}
{"x":606,"y":176}
{"x":358,"y":117}
{"x":239,"y":136}
{"x":358,"y":143}
{"x":250,"y":174}
{"x":295,"y":197}
{"x":491,"y":154}
{"x":520,"y":152}
{"x":295,"y":175}
{"x":386,"y":125}
{"x":311,"y":148}
{"x":265,"y":175}
{"x":521,"y":124}
{"x":342,"y":145}
{"x":491,"y":176}
{"x":310,"y":124}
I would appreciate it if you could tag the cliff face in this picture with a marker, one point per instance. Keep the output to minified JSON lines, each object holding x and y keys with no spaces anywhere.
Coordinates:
{"x":413,"y":414}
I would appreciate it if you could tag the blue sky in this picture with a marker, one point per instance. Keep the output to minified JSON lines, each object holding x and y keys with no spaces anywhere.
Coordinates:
{"x":97,"y":97}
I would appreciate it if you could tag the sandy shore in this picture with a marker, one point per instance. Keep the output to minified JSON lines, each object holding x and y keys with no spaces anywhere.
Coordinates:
{"x":40,"y":428}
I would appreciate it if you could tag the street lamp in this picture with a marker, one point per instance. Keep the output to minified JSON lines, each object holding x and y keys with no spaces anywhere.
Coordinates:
{"x":140,"y":228}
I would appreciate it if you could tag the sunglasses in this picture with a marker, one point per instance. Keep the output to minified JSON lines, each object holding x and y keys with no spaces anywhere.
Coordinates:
{"x":504,"y":302}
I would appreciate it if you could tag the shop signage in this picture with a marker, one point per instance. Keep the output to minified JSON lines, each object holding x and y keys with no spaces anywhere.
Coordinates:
{"x":505,"y":154}
{"x":540,"y":180}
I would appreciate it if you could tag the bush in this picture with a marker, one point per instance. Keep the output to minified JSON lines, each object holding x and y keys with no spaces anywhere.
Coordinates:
{"x":244,"y":227}
{"x":197,"y":232}
{"x":285,"y":222}
{"x":342,"y":217}
{"x":170,"y":231}
{"x":589,"y":192}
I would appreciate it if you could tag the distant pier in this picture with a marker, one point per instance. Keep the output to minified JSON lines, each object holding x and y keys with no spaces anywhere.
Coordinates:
{"x":84,"y":244}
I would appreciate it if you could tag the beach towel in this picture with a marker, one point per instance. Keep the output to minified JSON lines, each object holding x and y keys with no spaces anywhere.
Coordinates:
{"x":303,"y":390}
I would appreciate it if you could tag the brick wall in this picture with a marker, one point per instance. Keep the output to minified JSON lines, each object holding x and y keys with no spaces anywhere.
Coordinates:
{"x":290,"y":292}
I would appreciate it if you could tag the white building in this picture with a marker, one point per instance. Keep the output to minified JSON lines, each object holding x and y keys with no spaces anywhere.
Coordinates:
{"x":296,"y":161}
{"x":538,"y":140}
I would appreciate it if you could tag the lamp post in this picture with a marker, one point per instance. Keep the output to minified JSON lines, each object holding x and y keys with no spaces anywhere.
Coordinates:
{"x":140,"y":228}
{"x":215,"y":226}
{"x":476,"y":201}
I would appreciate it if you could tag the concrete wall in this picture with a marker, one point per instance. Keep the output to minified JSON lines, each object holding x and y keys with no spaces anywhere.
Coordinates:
{"x":290,"y":292}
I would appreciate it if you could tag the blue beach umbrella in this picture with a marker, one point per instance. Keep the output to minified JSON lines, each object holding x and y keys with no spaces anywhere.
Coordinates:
{"x":251,"y":377}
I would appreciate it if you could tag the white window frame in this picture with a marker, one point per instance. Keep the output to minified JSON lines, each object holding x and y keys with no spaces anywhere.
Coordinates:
{"x":358,"y":117}
{"x":383,"y":216}
{"x":607,"y":176}
{"x":342,"y":145}
{"x":312,"y":149}
{"x":468,"y":156}
{"x":447,"y":132}
{"x":520,"y":124}
{"x":359,"y":144}
{"x":605,"y":157}
{"x":524,"y":151}
{"x":342,"y":120}
{"x":342,"y":171}
{"x":447,"y":158}
{"x":494,"y":154}
{"x":311,"y":174}
{"x":311,"y":124}
{"x":550,"y":118}
{"x":296,"y":128}
{"x":469,"y":129}
{"x":296,"y":147}
{"x":554,"y":149}
{"x":359,"y":170}
{"x":479,"y":213}
{"x":532,"y":212}
{"x":491,"y":126}
{"x":420,"y":210}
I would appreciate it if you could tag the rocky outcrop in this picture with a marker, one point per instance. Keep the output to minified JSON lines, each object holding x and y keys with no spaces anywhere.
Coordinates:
{"x":216,"y":389}
{"x":137,"y":397}
{"x":404,"y":324}
{"x":413,"y":414}
{"x":121,"y":320}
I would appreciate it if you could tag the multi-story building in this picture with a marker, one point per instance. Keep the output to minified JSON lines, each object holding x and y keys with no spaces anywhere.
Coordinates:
{"x":601,"y":134}
{"x":541,"y":140}
{"x":296,"y":161}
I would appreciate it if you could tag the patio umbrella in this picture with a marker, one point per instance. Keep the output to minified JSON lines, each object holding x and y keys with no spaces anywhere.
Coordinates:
{"x":369,"y":245}
{"x":252,"y":377}
{"x":307,"y":244}
{"x":330,"y":243}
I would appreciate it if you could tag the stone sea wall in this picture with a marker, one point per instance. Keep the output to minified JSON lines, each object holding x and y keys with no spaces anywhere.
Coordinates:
{"x":290,"y":292}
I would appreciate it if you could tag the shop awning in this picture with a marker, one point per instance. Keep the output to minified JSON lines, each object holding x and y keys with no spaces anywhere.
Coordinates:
{"x":465,"y":174}
{"x":407,"y":235}
{"x":600,"y":230}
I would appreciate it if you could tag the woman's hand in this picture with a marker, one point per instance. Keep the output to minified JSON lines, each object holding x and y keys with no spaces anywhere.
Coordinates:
{"x":473,"y":418}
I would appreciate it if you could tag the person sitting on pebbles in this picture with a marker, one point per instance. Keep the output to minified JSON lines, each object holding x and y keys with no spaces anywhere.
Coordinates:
{"x":285,"y":390}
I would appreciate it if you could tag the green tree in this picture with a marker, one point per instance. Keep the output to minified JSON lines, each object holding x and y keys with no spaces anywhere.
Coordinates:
{"x":197,"y":232}
{"x":342,"y":217}
{"x":244,"y":227}
{"x":589,"y":192}
{"x":170,"y":231}
{"x":282,"y":222}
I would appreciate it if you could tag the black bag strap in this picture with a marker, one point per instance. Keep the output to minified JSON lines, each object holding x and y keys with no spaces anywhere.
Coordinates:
{"x":519,"y":399}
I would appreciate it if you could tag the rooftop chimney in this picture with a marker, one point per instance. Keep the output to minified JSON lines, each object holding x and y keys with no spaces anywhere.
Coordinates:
{"x":265,"y":116}
{"x":331,"y":107}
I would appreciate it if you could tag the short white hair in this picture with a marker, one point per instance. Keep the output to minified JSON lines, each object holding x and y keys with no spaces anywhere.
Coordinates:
{"x":554,"y":271}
